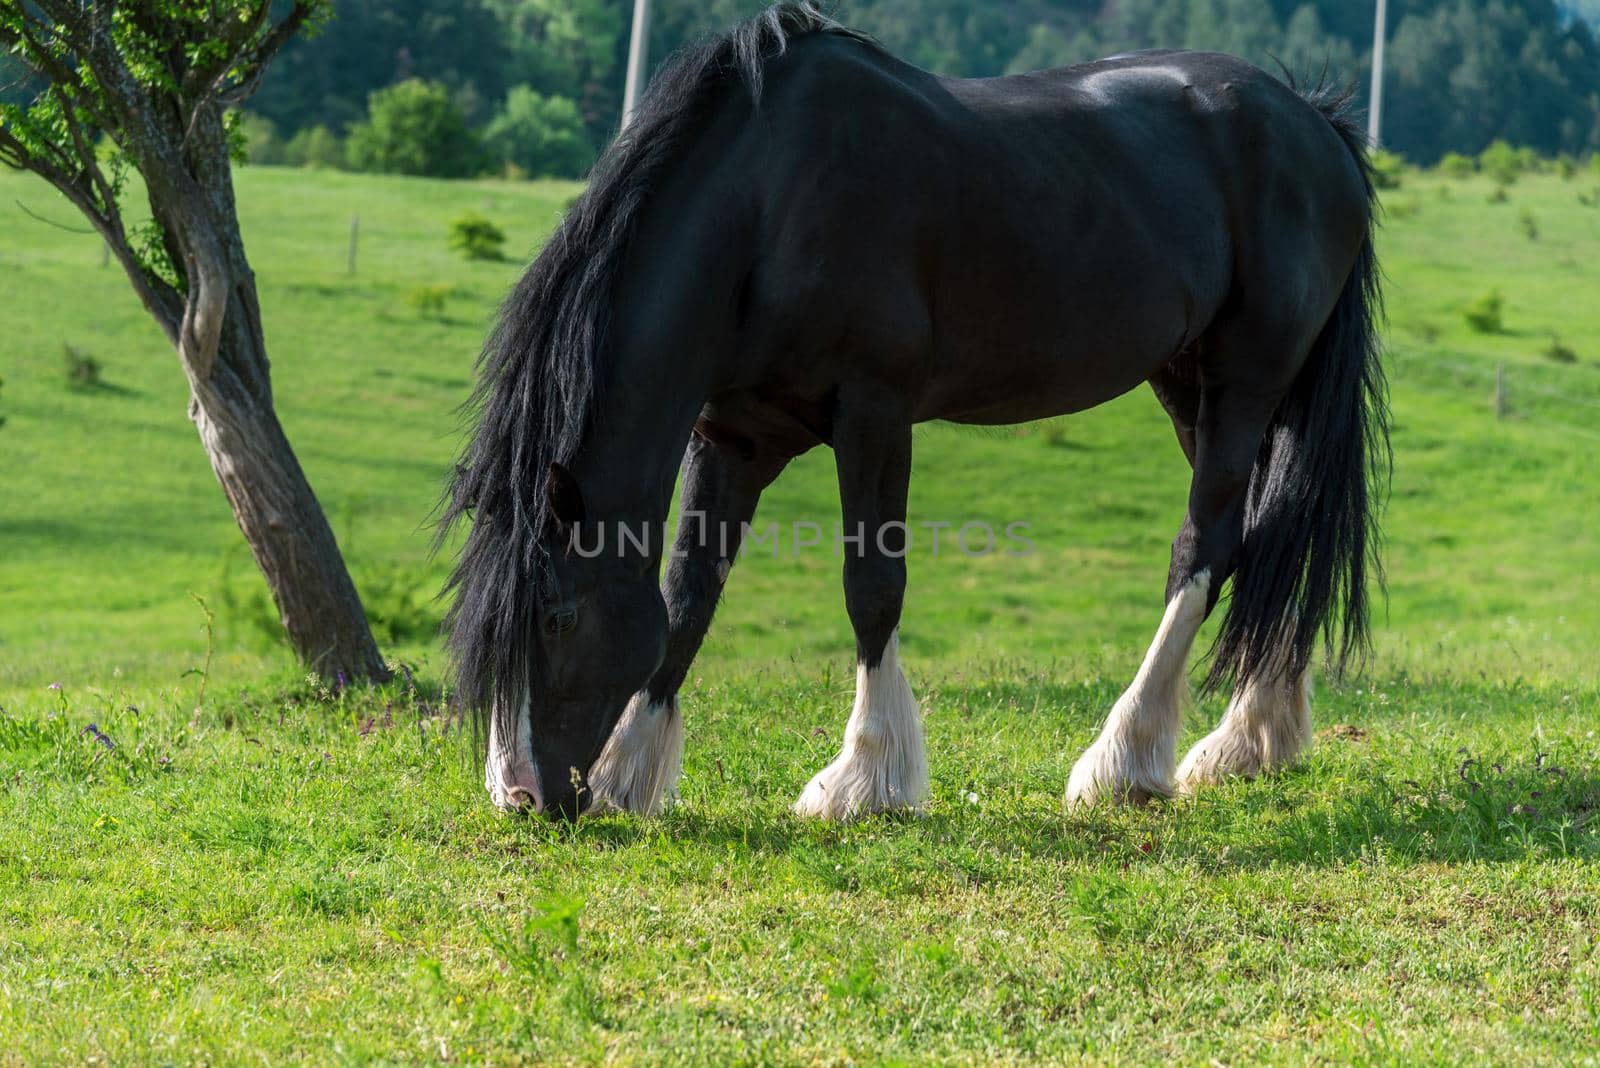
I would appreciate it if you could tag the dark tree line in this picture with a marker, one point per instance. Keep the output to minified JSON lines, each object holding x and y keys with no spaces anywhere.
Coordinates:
{"x":1461,"y":74}
{"x":539,"y":81}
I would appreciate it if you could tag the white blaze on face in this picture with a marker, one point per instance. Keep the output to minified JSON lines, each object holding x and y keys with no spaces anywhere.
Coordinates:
{"x":508,"y":773}
{"x":1132,"y":758}
{"x":883,"y":764}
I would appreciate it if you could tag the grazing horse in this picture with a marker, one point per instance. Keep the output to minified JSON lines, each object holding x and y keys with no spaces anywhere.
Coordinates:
{"x":801,"y":240}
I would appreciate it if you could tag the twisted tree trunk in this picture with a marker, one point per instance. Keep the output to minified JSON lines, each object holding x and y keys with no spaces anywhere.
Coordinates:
{"x":275,"y":507}
{"x":221,"y":345}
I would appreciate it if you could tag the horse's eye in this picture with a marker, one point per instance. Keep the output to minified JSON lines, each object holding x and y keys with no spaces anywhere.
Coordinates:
{"x":562,"y":621}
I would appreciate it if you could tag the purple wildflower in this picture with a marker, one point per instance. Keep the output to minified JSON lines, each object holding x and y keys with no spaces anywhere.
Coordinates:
{"x":99,"y":735}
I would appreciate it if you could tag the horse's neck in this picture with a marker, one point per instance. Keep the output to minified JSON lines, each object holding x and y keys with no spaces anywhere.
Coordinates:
{"x":668,"y":348}
{"x":629,"y":460}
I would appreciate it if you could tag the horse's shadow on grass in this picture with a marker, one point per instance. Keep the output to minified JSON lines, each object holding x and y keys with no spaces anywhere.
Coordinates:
{"x":1351,"y":800}
{"x":1470,"y":813}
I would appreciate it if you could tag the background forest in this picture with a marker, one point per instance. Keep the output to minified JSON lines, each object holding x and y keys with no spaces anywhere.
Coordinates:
{"x":453,"y":88}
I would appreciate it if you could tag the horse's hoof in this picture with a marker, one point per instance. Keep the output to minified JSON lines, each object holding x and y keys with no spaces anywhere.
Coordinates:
{"x":1222,"y":754}
{"x":1266,"y":728}
{"x":1103,"y":775}
{"x":639,"y":768}
{"x":845,"y":791}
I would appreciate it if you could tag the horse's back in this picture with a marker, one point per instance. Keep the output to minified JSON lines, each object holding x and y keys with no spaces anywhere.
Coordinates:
{"x":1038,"y":243}
{"x":1201,"y":157}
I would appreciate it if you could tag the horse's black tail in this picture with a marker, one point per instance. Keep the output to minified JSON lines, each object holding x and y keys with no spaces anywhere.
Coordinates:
{"x":1311,"y":535}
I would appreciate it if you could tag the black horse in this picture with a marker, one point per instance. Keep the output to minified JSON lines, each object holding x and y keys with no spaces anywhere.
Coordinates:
{"x":801,"y":240}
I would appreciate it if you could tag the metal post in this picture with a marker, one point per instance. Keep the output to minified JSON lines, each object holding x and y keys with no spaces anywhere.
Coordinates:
{"x":638,"y":60}
{"x":1379,"y":40}
{"x":355,"y":237}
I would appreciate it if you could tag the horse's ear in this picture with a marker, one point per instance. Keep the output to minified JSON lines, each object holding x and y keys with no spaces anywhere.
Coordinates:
{"x":566,"y":499}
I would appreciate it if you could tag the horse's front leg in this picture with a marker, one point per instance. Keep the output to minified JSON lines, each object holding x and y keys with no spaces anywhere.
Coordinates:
{"x":638,"y":769}
{"x":882,"y":765}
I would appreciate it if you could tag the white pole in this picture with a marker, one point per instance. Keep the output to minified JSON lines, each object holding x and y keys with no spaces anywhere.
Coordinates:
{"x":1375,"y":112}
{"x":638,"y":60}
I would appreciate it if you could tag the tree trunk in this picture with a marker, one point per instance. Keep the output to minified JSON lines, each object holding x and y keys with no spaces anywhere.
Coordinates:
{"x":285,"y":527}
{"x":223,"y":351}
{"x":173,"y":129}
{"x":279,"y":515}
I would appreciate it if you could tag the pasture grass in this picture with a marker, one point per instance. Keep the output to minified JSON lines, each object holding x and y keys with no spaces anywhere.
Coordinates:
{"x":280,"y":875}
{"x":275,"y":871}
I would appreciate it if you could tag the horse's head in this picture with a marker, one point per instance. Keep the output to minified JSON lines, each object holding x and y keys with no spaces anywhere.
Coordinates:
{"x":602,"y":627}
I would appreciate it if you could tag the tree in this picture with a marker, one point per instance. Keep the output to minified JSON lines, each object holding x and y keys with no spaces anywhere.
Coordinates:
{"x":476,"y":238}
{"x":570,"y":48}
{"x":155,"y":80}
{"x":1307,"y":50}
{"x":1540,"y":56}
{"x":258,"y":140}
{"x":415,"y":128}
{"x":370,"y":44}
{"x":541,"y":135}
{"x":1588,"y":10}
{"x":315,"y":146}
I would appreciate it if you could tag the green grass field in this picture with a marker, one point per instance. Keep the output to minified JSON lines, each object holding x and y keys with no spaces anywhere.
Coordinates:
{"x":259,"y":868}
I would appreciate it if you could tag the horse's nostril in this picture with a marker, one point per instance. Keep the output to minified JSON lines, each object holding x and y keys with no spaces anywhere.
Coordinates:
{"x":525,"y":800}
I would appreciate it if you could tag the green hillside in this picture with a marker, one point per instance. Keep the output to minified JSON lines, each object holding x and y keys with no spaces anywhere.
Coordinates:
{"x":112,"y":519}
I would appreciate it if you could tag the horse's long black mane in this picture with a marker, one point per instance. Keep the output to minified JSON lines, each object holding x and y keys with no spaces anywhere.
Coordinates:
{"x":539,"y":381}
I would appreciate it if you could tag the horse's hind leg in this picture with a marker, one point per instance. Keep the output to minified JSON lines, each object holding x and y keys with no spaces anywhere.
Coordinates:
{"x":1267,"y":725}
{"x":882,"y":765}
{"x":1177,"y":387}
{"x":638,"y":769}
{"x":1268,"y":722}
{"x":1132,"y":760}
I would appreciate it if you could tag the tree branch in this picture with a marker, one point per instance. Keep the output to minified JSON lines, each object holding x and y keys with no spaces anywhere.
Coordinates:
{"x":16,"y":154}
{"x":162,"y":301}
{"x":86,"y":157}
{"x":123,"y":105}
{"x":36,"y":217}
{"x":262,"y":55}
{"x":39,"y":53}
{"x":66,"y":20}
{"x":204,"y":84}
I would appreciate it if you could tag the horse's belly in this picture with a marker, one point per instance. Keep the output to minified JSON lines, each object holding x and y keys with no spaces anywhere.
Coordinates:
{"x":1053,"y":359}
{"x":1042,"y":312}
{"x":1061,"y":390}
